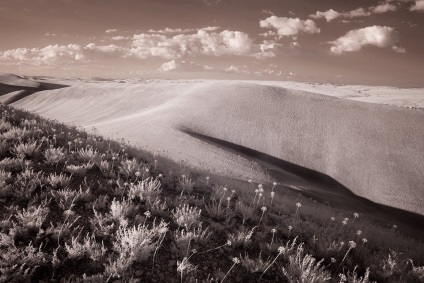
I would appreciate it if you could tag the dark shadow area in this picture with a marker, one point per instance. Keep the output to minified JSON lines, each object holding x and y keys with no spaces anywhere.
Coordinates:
{"x":25,"y":91}
{"x":322,"y":187}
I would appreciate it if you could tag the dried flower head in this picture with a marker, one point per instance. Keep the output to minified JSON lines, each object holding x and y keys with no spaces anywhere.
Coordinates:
{"x":298,"y":204}
{"x":352,"y":244}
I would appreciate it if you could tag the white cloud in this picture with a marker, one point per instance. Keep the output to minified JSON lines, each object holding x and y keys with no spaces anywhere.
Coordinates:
{"x":168,"y":66}
{"x":398,"y":49}
{"x":269,"y":12}
{"x":210,"y":28}
{"x":179,"y":30}
{"x":354,"y":40}
{"x":111,"y":30}
{"x":384,"y":8}
{"x":418,"y":6}
{"x":120,"y":37}
{"x":201,"y":43}
{"x":171,"y":30}
{"x":328,"y":15}
{"x":111,"y":49}
{"x":289,"y":26}
{"x":360,"y":12}
{"x":47,"y":55}
{"x":331,"y":14}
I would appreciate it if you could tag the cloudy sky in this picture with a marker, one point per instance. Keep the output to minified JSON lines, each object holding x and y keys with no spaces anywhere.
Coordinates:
{"x":350,"y":41}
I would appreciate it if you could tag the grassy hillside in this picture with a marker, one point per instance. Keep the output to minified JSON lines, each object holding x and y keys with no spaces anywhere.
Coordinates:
{"x":80,"y":208}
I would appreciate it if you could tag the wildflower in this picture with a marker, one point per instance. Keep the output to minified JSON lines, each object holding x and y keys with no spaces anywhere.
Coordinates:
{"x":260,"y":186}
{"x":273,"y":230}
{"x":333,"y":260}
{"x":298,"y":205}
{"x":207,"y":177}
{"x":346,"y":219}
{"x":225,"y":189}
{"x":263,"y":208}
{"x":352,"y":245}
{"x":394,"y":227}
{"x":236,"y":261}
{"x":344,"y":222}
{"x":364,"y":240}
{"x":228,"y":243}
{"x":290,"y":228}
{"x":272,"y":196}
{"x":250,"y":180}
{"x":356,"y":215}
{"x":281,"y":250}
{"x":359,"y":233}
{"x":274,"y":184}
{"x":333,"y":219}
{"x":147,"y":214}
{"x":160,"y":175}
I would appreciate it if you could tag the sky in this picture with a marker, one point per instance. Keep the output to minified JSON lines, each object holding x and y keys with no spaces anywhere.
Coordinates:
{"x":330,"y":41}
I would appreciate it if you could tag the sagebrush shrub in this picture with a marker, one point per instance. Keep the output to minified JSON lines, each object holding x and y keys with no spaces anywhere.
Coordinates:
{"x":186,"y":216}
{"x":22,"y":150}
{"x":54,"y":155}
{"x":147,"y":189}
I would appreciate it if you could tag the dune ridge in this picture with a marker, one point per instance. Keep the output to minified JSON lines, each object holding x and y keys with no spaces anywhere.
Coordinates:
{"x":374,"y":150}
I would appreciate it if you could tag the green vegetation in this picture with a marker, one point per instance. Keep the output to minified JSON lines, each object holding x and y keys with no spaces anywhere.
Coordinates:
{"x":75,"y":207}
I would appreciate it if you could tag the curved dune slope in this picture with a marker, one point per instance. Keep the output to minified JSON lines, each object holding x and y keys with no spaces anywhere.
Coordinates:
{"x":374,"y":150}
{"x":14,"y":88}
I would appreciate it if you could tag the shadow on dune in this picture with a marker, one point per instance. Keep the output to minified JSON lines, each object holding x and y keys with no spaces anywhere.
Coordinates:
{"x":23,"y":91}
{"x":322,"y":187}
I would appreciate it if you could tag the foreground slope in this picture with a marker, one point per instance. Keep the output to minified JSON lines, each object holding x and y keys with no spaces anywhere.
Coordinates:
{"x":374,"y":150}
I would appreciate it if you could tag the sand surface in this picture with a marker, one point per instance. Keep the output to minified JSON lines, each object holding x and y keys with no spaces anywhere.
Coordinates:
{"x":375,"y":150}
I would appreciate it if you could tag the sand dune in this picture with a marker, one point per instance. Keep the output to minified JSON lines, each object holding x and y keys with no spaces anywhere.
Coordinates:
{"x":14,"y":88}
{"x":374,"y":150}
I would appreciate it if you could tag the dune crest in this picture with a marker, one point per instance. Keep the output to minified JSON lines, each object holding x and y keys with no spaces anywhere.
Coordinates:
{"x":374,"y":150}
